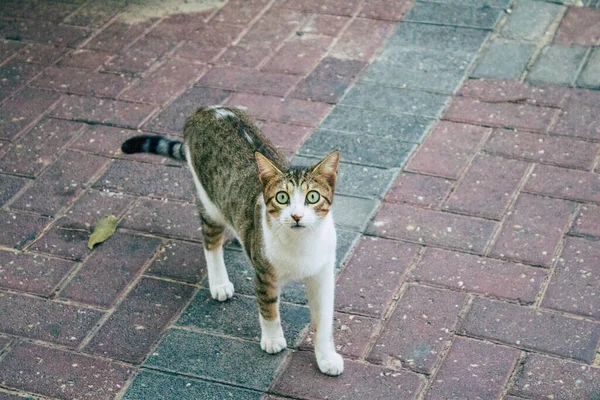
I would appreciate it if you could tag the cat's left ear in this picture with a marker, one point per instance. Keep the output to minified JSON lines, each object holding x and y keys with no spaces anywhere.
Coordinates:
{"x":327,"y":168}
{"x":266,"y":169}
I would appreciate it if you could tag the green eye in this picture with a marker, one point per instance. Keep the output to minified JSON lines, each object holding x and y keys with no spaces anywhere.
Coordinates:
{"x":282,"y":198}
{"x":313,"y":196}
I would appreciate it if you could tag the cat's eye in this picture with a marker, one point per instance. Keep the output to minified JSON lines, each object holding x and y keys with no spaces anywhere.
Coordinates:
{"x":312,"y":197}
{"x":282,"y":198}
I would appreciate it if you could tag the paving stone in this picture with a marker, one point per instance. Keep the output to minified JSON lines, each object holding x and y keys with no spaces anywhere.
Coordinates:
{"x":356,"y":180}
{"x":588,"y":221}
{"x":373,"y":276}
{"x":8,"y":48}
{"x":486,"y":276}
{"x":240,"y":11}
{"x":138,"y":179}
{"x":141,"y":55}
{"x":14,"y":75}
{"x":248,"y":80}
{"x":546,"y":377}
{"x":544,"y":149}
{"x":31,"y":273}
{"x":438,"y":37}
{"x":419,"y":190}
{"x":579,"y":26}
{"x":473,"y":368}
{"x":329,"y":80}
{"x":504,"y":59}
{"x":438,"y":71}
{"x":198,"y":51}
{"x":533,"y":330}
{"x":39,"y":53}
{"x":391,"y":10}
{"x":83,"y":58}
{"x":164,"y":82}
{"x":36,"y":149}
{"x":351,"y":334}
{"x":299,"y":55}
{"x":574,"y":285}
{"x":165,"y":218}
{"x":238,"y":317}
{"x":557,"y":64}
{"x":333,"y":7}
{"x":24,"y":368}
{"x":23,"y":109}
{"x":514,"y":115}
{"x":419,"y":329}
{"x":52,"y":12}
{"x":104,"y":111}
{"x":454,"y":14}
{"x":60,"y":184}
{"x":95,"y":15}
{"x":474,"y":3}
{"x":216,"y":358}
{"x":488,"y":187}
{"x":285,"y":137}
{"x":173,"y":117}
{"x":590,"y":75}
{"x":352,"y":213}
{"x":64,"y":242}
{"x":533,"y":230}
{"x":361,"y":39}
{"x":271,"y":108}
{"x":399,"y":221}
{"x":42,"y":31}
{"x":303,"y":379}
{"x":579,"y":116}
{"x":448,"y":149}
{"x":491,"y":90}
{"x":138,"y":322}
{"x":323,"y":24}
{"x":161,"y":386}
{"x":117,"y":35}
{"x":395,"y":100}
{"x":182,"y":261}
{"x":530,"y":20}
{"x":182,"y":26}
{"x":368,"y":150}
{"x":361,"y":121}
{"x":565,"y":183}
{"x":9,"y":187}
{"x":45,"y":320}
{"x":18,"y":229}
{"x":80,"y":81}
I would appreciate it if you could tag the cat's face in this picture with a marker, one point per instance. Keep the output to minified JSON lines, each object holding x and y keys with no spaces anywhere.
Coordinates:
{"x":300,"y":198}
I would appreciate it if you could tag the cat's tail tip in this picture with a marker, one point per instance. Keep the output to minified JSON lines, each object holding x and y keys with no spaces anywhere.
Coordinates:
{"x":155,"y":145}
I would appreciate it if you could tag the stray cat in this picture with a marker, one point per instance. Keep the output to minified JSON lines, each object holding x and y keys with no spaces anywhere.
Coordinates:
{"x":279,"y":213}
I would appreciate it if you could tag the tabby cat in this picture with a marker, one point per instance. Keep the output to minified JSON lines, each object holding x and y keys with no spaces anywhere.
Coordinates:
{"x":278,"y":212}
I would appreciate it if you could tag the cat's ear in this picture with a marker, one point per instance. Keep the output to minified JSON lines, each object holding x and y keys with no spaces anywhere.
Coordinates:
{"x":266,"y":169}
{"x":327,"y":168}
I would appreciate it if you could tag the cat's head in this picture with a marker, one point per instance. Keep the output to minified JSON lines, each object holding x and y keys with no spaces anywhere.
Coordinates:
{"x":300,"y":197}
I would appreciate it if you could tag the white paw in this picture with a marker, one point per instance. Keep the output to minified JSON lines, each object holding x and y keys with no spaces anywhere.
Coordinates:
{"x":331,"y":363}
{"x":222,"y":292}
{"x":273,"y":345}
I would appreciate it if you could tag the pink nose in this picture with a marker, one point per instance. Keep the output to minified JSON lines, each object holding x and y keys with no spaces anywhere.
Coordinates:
{"x":296,"y":218}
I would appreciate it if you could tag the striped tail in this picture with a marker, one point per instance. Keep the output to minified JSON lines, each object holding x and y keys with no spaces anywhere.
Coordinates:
{"x":156,"y":145}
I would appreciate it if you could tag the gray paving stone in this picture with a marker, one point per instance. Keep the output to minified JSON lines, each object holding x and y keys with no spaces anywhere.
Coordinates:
{"x":504,"y":59}
{"x":409,"y":128}
{"x":476,"y":3}
{"x":530,"y":19}
{"x":154,"y":385}
{"x":455,"y":15}
{"x":397,"y":100}
{"x":352,"y":212}
{"x":435,"y":37}
{"x":357,"y":180}
{"x":202,"y":355}
{"x":365,"y":150}
{"x":590,"y":76}
{"x":558,"y":64}
{"x":238,"y":317}
{"x":419,"y":68}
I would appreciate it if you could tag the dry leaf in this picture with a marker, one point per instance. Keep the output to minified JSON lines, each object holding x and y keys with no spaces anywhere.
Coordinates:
{"x":103,"y":230}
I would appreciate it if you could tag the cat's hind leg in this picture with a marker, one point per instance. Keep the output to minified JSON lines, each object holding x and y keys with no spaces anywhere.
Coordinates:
{"x":221,"y":287}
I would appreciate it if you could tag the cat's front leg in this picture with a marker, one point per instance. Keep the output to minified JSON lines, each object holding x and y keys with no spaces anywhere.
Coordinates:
{"x":320,"y":290}
{"x":267,"y":293}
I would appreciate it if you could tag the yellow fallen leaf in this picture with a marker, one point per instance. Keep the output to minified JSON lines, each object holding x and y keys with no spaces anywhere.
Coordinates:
{"x":103,"y":230}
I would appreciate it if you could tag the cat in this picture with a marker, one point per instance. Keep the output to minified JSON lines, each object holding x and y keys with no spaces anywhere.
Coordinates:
{"x":280,"y":214}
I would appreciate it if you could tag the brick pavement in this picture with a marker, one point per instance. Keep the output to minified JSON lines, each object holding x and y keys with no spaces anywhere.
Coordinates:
{"x":468,"y":206}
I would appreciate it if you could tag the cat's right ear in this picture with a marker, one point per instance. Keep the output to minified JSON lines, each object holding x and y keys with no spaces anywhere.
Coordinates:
{"x":266,"y":169}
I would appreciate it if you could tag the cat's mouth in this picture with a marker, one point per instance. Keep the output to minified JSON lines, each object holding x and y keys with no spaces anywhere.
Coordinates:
{"x":297,"y":226}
